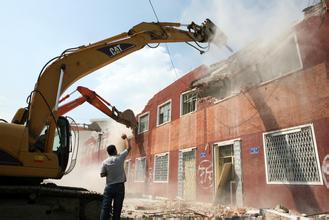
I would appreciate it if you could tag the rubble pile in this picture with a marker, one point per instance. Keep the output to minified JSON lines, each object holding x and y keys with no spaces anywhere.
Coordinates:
{"x":177,"y":209}
{"x":142,"y":208}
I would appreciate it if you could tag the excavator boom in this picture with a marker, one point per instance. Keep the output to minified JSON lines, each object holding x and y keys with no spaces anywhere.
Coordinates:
{"x":74,"y":64}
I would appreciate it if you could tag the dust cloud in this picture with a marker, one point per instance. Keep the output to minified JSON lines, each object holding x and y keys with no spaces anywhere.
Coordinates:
{"x":86,"y":172}
{"x":263,"y":39}
{"x":244,"y":21}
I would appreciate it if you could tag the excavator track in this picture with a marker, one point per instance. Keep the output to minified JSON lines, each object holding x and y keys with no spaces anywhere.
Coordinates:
{"x":48,"y":202}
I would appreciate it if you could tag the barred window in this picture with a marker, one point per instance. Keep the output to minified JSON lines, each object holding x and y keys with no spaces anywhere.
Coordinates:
{"x":140,"y":169}
{"x":143,"y":123}
{"x":161,"y":167}
{"x":188,"y":102}
{"x":291,"y":156}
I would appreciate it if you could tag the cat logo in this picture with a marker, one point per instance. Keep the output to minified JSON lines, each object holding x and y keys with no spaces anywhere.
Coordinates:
{"x":115,"y":49}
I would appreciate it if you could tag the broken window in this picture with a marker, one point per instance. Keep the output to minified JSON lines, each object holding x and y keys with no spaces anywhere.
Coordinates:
{"x":161,"y":167}
{"x":282,"y":59}
{"x":140,"y":169}
{"x":188,"y":102}
{"x":143,"y":123}
{"x":291,"y":156}
{"x":164,"y":113}
{"x":256,"y":64}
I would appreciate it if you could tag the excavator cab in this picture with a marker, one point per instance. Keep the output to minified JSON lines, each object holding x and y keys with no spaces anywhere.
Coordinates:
{"x":62,"y":142}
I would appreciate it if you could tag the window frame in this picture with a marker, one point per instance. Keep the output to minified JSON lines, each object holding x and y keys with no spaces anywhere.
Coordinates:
{"x":158,"y":111}
{"x":154,"y":164}
{"x":140,"y":158}
{"x":128,"y":173}
{"x":181,"y":102}
{"x":282,"y":74}
{"x":287,"y":131}
{"x":148,"y":122}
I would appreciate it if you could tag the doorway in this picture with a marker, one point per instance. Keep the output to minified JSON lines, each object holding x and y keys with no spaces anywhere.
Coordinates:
{"x":187,"y":174}
{"x":227,"y":173}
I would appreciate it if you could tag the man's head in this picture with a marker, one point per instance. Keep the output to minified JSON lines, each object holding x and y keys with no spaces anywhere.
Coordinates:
{"x":111,"y":150}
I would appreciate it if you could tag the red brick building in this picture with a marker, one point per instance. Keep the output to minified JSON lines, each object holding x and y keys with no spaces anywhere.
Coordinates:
{"x":252,"y":130}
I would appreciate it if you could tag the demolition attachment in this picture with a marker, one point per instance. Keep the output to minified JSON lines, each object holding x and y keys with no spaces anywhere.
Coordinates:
{"x":127,"y":118}
{"x":209,"y":32}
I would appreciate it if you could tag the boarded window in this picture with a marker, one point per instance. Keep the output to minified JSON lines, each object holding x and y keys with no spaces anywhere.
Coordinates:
{"x":188,"y":102}
{"x":143,"y":123}
{"x":140,"y":169}
{"x":161,"y":167}
{"x":164,"y":113}
{"x":291,"y":157}
{"x":188,"y":175}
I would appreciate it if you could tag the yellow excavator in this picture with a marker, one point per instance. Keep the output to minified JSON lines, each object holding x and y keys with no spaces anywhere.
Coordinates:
{"x":23,"y":166}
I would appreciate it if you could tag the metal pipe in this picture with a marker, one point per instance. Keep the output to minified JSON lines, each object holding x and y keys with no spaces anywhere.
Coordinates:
{"x":60,"y":83}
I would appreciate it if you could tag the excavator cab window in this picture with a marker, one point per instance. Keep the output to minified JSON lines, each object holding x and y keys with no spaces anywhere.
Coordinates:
{"x":41,"y":142}
{"x":62,"y":142}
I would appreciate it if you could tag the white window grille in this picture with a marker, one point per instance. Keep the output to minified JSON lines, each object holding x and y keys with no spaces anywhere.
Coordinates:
{"x":188,"y":102}
{"x":164,"y":113}
{"x":143,"y":123}
{"x":161,"y":164}
{"x":291,"y":156}
{"x":140,"y":164}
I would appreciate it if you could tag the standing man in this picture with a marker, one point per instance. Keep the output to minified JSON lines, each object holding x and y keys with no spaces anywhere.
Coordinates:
{"x":113,"y":170}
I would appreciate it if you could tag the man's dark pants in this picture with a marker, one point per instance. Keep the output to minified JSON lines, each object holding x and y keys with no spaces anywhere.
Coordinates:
{"x":115,"y":193}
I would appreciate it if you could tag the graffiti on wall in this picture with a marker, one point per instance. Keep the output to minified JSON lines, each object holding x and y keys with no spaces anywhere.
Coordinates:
{"x":205,"y":174}
{"x":325,"y":170}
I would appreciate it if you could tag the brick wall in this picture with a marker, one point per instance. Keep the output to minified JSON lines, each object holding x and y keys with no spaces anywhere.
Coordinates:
{"x":295,"y":99}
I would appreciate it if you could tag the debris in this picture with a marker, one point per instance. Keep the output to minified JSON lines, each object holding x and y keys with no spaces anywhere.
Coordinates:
{"x":142,"y":208}
{"x":178,"y":209}
{"x":281,"y":208}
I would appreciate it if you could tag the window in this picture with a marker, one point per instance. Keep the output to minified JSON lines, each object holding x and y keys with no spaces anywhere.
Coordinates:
{"x":188,"y":102}
{"x":143,"y":123}
{"x":140,"y":169}
{"x":291,"y":156}
{"x":281,"y":60}
{"x":164,"y":113}
{"x":161,"y":167}
{"x":127,"y":169}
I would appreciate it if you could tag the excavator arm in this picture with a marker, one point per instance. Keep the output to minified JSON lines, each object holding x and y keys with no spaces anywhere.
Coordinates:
{"x":74,"y":64}
{"x":19,"y":157}
{"x":127,"y":117}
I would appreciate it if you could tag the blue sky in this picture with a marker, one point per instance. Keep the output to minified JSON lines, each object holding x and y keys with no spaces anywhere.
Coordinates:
{"x":32,"y":32}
